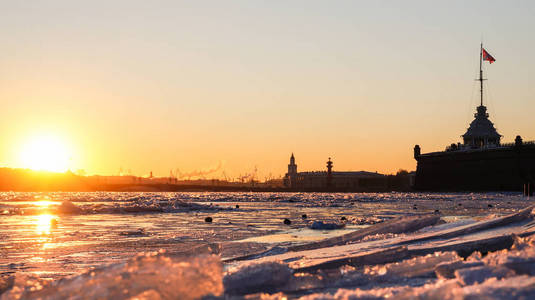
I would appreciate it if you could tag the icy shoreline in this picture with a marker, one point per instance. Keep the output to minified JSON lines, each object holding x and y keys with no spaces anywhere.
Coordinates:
{"x":415,"y":257}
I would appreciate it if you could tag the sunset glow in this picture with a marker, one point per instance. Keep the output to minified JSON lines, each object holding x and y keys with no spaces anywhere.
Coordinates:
{"x":44,"y":224}
{"x":235,"y":149}
{"x":45,"y":153}
{"x":361,"y":82}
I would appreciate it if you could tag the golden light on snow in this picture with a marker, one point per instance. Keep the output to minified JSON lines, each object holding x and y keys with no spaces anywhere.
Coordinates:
{"x":44,"y":224}
{"x":43,"y":203}
{"x":45,"y":153}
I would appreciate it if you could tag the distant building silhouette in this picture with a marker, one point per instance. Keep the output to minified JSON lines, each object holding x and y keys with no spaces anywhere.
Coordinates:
{"x":329,"y":173}
{"x":291,"y":176}
{"x":331,"y":180}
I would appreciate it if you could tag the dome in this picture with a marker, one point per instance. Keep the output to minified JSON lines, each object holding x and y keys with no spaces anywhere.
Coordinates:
{"x":481,"y":131}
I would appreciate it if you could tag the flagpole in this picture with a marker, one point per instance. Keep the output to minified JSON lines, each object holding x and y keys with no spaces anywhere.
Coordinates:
{"x":481,"y":72}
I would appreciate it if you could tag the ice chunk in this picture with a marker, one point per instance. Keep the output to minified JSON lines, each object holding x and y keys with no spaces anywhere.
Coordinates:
{"x":352,"y":279}
{"x":521,"y":257}
{"x":358,"y":294}
{"x":447,"y":270}
{"x":443,"y":290}
{"x":6,"y":282}
{"x":257,"y":278}
{"x":138,"y":232}
{"x":320,"y":225}
{"x":143,"y":277}
{"x":422,"y":266}
{"x":67,"y":207}
{"x":147,"y":295}
{"x":518,"y":287}
{"x":470,"y":276}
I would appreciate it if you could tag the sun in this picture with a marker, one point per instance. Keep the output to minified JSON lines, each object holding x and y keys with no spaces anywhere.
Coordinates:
{"x":45,"y":153}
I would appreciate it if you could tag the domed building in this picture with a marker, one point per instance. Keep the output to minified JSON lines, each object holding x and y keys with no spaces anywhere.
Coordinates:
{"x":482,"y":162}
{"x":481,"y":132}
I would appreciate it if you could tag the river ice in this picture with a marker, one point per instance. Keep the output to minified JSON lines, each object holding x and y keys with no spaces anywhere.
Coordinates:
{"x":88,"y":245}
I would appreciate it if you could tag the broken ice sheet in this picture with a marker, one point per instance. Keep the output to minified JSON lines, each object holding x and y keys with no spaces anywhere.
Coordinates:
{"x":421,"y":266}
{"x":520,"y":258}
{"x":150,"y":275}
{"x":518,"y":287}
{"x":473,"y":275}
{"x":254,"y":278}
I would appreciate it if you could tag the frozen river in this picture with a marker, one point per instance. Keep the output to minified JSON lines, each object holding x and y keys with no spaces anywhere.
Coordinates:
{"x":49,"y":236}
{"x":57,"y":234}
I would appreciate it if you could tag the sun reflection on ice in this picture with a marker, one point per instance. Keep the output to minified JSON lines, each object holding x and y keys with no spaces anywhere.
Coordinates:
{"x":44,"y":203}
{"x":45,"y":223}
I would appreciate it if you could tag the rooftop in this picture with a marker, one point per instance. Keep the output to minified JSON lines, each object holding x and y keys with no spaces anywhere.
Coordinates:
{"x":343,"y":173}
{"x":481,"y":127}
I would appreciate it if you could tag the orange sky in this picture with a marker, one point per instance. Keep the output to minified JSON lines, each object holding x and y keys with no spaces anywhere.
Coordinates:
{"x":241,"y":85}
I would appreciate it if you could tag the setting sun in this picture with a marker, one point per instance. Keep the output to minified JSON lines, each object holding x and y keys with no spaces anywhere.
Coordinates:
{"x":45,"y":153}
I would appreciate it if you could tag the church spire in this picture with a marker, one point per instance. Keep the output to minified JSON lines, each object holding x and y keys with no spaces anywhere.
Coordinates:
{"x":292,"y":167}
{"x":292,"y":172}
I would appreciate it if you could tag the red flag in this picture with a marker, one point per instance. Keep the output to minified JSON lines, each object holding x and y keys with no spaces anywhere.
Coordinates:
{"x":487,"y":56}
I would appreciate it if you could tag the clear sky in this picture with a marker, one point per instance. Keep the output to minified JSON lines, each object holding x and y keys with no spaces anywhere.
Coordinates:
{"x":159,"y":85}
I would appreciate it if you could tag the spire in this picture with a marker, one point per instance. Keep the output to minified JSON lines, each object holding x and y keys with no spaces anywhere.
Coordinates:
{"x":292,"y":167}
{"x":481,"y":131}
{"x":481,"y":73}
